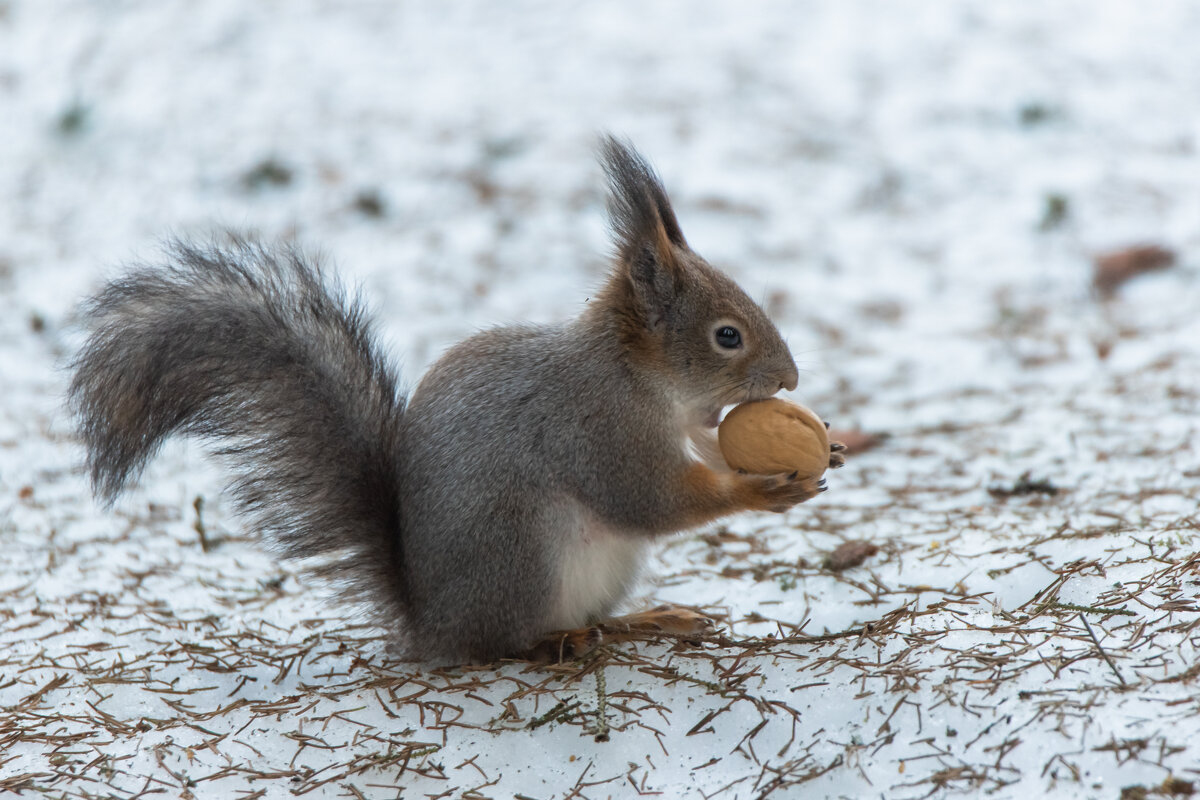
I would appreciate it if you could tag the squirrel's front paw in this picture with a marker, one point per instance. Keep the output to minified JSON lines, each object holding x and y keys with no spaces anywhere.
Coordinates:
{"x":780,"y":492}
{"x":837,"y":455}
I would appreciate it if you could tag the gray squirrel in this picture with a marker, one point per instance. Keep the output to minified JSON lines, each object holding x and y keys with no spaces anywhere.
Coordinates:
{"x":514,"y":493}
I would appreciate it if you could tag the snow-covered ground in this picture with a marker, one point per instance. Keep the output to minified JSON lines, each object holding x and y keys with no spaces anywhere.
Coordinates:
{"x":916,"y":192}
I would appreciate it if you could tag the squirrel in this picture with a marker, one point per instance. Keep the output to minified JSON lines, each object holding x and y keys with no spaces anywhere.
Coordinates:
{"x":514,"y":493}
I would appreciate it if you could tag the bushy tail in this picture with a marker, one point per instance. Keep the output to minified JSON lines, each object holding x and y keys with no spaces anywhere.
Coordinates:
{"x":253,"y":350}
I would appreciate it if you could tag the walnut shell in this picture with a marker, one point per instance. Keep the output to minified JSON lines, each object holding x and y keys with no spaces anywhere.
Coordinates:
{"x":771,"y":436}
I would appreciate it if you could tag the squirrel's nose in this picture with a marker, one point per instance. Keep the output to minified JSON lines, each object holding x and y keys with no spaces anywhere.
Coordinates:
{"x":791,"y":379}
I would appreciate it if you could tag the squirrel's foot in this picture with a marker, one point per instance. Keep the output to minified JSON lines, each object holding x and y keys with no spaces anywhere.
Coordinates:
{"x":780,"y":492}
{"x":837,"y":455}
{"x":565,"y":645}
{"x":670,"y":620}
{"x":673,"y":621}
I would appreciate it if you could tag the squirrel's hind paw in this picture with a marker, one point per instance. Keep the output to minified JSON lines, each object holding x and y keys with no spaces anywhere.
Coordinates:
{"x":670,"y":621}
{"x":562,"y":646}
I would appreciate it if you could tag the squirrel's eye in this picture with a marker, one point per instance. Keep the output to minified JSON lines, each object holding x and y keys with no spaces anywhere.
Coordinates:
{"x":728,"y":337}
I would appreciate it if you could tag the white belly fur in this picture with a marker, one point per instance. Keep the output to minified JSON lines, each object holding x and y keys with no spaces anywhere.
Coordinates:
{"x":599,"y":566}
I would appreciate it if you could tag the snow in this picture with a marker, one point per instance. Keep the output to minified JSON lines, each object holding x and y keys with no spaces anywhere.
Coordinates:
{"x":881,"y":175}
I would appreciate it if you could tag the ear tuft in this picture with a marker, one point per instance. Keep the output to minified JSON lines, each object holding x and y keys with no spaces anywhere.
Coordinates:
{"x":638,"y":208}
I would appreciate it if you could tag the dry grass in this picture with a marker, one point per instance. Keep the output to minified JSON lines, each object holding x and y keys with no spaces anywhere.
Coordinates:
{"x":942,"y":689}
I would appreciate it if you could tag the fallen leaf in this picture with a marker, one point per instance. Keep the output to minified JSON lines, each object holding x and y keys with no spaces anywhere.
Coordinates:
{"x":1114,"y":268}
{"x":857,"y":441}
{"x":850,"y":554}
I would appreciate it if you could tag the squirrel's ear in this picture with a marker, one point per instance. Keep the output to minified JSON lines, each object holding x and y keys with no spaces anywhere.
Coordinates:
{"x":644,"y":226}
{"x":637,"y":203}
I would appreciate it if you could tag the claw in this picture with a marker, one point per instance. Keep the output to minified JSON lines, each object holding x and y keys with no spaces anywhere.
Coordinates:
{"x":836,"y":447}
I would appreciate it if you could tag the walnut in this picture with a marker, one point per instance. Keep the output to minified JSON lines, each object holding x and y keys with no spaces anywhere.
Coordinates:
{"x":771,"y":436}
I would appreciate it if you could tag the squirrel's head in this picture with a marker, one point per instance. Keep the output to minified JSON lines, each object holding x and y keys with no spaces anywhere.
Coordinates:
{"x":677,"y":313}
